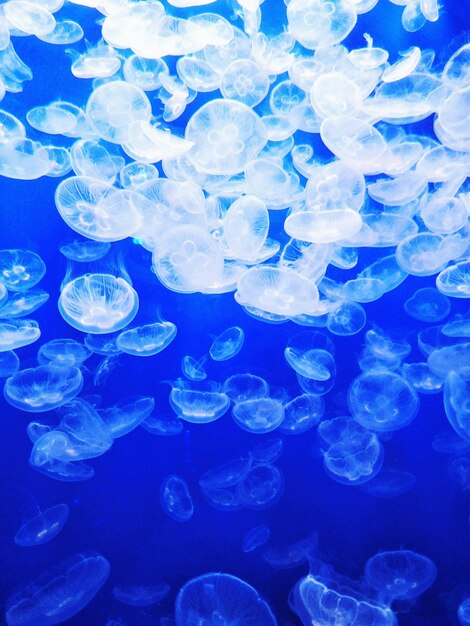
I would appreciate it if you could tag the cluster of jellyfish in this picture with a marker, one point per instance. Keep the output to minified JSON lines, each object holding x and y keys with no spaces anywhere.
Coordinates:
{"x":239,"y":201}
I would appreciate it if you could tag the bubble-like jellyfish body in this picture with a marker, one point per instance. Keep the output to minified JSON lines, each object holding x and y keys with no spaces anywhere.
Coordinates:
{"x":258,"y":415}
{"x":24,"y":303}
{"x":301,"y":414}
{"x":454,"y":281}
{"x":316,"y":24}
{"x":349,"y":318}
{"x":20,"y":269}
{"x":98,"y":303}
{"x":240,"y":387}
{"x":226,"y":475}
{"x":59,"y":594}
{"x":135,"y":595}
{"x":43,"y":388}
{"x":223,"y":599}
{"x":268,"y":451}
{"x":400,"y":574}
{"x":428,"y":305}
{"x":9,"y":363}
{"x":16,"y":333}
{"x":246,"y":225}
{"x":255,"y":538}
{"x":146,"y":340}
{"x":427,"y":253}
{"x":197,"y":405}
{"x":276,"y":290}
{"x":448,"y":359}
{"x":389,"y":483}
{"x":463,"y":612}
{"x":64,"y":471}
{"x":335,"y":186}
{"x":228,"y":344}
{"x":422,"y":378}
{"x":85,"y":251}
{"x":457,"y":404}
{"x":103,"y":344}
{"x":352,"y":454}
{"x":291,"y":555}
{"x":316,"y":363}
{"x":226,"y":135}
{"x":326,"y":604}
{"x":194,"y":368}
{"x":166,"y":426}
{"x":324,"y":226}
{"x":458,"y":327}
{"x":63,"y":352}
{"x":95,"y":209}
{"x":127,"y":414}
{"x":43,"y":527}
{"x":175,"y":499}
{"x":382,"y":401}
{"x":261,"y":488}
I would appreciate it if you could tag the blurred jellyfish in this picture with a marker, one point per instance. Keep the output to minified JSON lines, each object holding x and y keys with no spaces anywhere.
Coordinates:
{"x":389,"y":483}
{"x":255,"y":538}
{"x":135,"y":595}
{"x":146,"y":340}
{"x":194,"y":369}
{"x":165,"y":426}
{"x":261,"y":488}
{"x":228,"y":344}
{"x":18,"y":333}
{"x":301,"y":414}
{"x":463,"y":612}
{"x":20,"y":269}
{"x":23,"y":303}
{"x":258,"y":415}
{"x":9,"y":364}
{"x":240,"y":387}
{"x":428,"y":305}
{"x":198,"y":406}
{"x":175,"y":499}
{"x":43,"y":526}
{"x":127,"y":414}
{"x":63,"y":352}
{"x":85,"y":251}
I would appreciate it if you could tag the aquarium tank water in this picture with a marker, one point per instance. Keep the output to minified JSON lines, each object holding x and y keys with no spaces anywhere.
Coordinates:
{"x":234,"y":321}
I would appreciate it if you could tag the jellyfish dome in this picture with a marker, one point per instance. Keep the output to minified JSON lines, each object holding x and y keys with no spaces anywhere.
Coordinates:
{"x":217,"y":598}
{"x":98,"y":303}
{"x":146,"y":340}
{"x":43,"y":527}
{"x":20,"y":269}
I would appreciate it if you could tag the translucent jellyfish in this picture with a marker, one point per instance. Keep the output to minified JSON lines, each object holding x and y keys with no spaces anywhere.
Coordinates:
{"x":246,"y":225}
{"x":453,"y":358}
{"x":135,"y":174}
{"x":315,"y":363}
{"x":382,"y":401}
{"x":145,"y":73}
{"x":175,"y":499}
{"x":65,"y":32}
{"x":389,"y":483}
{"x":226,"y":135}
{"x":444,"y":215}
{"x":85,"y":251}
{"x":198,"y":406}
{"x":400,"y":574}
{"x":463,"y":612}
{"x":98,"y":303}
{"x":318,"y":25}
{"x":255,"y":538}
{"x":29,"y":18}
{"x":43,"y":388}
{"x":59,"y":594}
{"x":276,"y":290}
{"x":166,"y":426}
{"x":335,"y":186}
{"x":228,"y":344}
{"x":127,"y":414}
{"x":427,"y":253}
{"x":349,"y":318}
{"x":194,"y":368}
{"x":244,"y":81}
{"x":64,"y":471}
{"x":112,"y":107}
{"x":456,"y":404}
{"x":95,"y":209}
{"x":18,"y":333}
{"x":146,"y":340}
{"x":325,"y":226}
{"x":63,"y":352}
{"x":384,"y":347}
{"x":135,"y":595}
{"x":20,"y":304}
{"x":240,"y":387}
{"x":103,"y":344}
{"x":43,"y":526}
{"x":301,"y":414}
{"x":261,"y":488}
{"x":351,"y":454}
{"x":454,"y":281}
{"x":422,"y":378}
{"x":9,"y":364}
{"x":20,"y":269}
{"x":99,"y":61}
{"x":428,"y":305}
{"x":197,"y":74}
{"x":221,"y":598}
{"x":291,"y":555}
{"x":333,"y":94}
{"x":90,"y":158}
{"x":268,"y":451}
{"x":368,"y":58}
{"x":458,"y":327}
{"x":258,"y":415}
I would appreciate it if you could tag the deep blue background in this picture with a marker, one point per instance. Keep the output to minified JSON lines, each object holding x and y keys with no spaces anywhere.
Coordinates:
{"x":118,"y":512}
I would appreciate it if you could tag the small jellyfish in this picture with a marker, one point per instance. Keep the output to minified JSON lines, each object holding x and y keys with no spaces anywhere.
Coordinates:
{"x":301,"y":414}
{"x":349,"y":318}
{"x":9,"y":364}
{"x":43,"y":388}
{"x":261,"y":488}
{"x":146,"y":340}
{"x":255,"y":538}
{"x":221,"y":598}
{"x":20,"y":304}
{"x":175,"y":499}
{"x":428,"y":305}
{"x":258,"y":415}
{"x":315,"y":364}
{"x":139,"y":595}
{"x":127,"y":414}
{"x":166,"y":426}
{"x":198,"y":406}
{"x":240,"y":387}
{"x":389,"y":483}
{"x":63,"y":352}
{"x":20,"y":269}
{"x":194,"y":368}
{"x":228,"y":344}
{"x":16,"y":333}
{"x":85,"y":251}
{"x":454,"y":281}
{"x":98,"y":303}
{"x":226,"y":475}
{"x":43,"y":527}
{"x":463,"y":612}
{"x":319,"y":25}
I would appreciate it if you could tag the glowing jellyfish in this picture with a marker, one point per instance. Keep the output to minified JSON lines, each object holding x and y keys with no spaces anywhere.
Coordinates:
{"x":228,"y":344}
{"x":422,"y":378}
{"x":127,"y":414}
{"x":454,"y":281}
{"x":85,"y":251}
{"x":457,"y":405}
{"x":226,"y":475}
{"x":389,"y":483}
{"x":463,"y":612}
{"x":9,"y":364}
{"x":223,"y":598}
{"x":301,"y":414}
{"x":59,"y":594}
{"x":261,"y":488}
{"x":226,"y":135}
{"x":175,"y":499}
{"x":315,"y":363}
{"x":20,"y":269}
{"x":246,"y":225}
{"x":258,"y":415}
{"x":428,"y":305}
{"x":194,"y":368}
{"x":43,"y":388}
{"x":18,"y":333}
{"x":255,"y":538}
{"x":166,"y":426}
{"x":43,"y":527}
{"x":454,"y":358}
{"x":317,"y":24}
{"x":382,"y":401}
{"x":139,"y":595}
{"x":244,"y":81}
{"x":240,"y":387}
{"x":146,"y":340}
{"x":198,"y":406}
{"x":22,"y":303}
{"x":349,"y":318}
{"x":400,"y":574}
{"x":63,"y":352}
{"x":98,"y":303}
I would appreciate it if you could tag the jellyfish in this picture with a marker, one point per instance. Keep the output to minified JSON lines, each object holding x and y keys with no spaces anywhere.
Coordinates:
{"x":400,"y":574}
{"x":43,"y":526}
{"x":291,"y":555}
{"x":389,"y":483}
{"x":127,"y":414}
{"x":104,"y":344}
{"x":246,"y":225}
{"x":146,"y":340}
{"x":301,"y":414}
{"x":463,"y":612}
{"x":139,"y":595}
{"x":316,"y":364}
{"x":454,"y":281}
{"x":268,"y":451}
{"x":85,"y":251}
{"x":43,"y":388}
{"x":348,"y":318}
{"x":240,"y":387}
{"x":21,"y":304}
{"x":258,"y":415}
{"x":422,"y":378}
{"x":16,"y":333}
{"x":456,"y":404}
{"x":63,"y":352}
{"x":221,"y":598}
{"x":98,"y":303}
{"x":453,"y":358}
{"x":198,"y":405}
{"x":428,"y":305}
{"x":261,"y":488}
{"x":175,"y":499}
{"x":194,"y":368}
{"x":226,"y":475}
{"x":9,"y":364}
{"x":244,"y":81}
{"x":20,"y":269}
{"x":255,"y":538}
{"x":315,"y":25}
{"x":59,"y":594}
{"x":228,"y":344}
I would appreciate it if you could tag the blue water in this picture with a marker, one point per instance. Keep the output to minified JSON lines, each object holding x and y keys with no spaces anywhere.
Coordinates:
{"x":118,"y":512}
